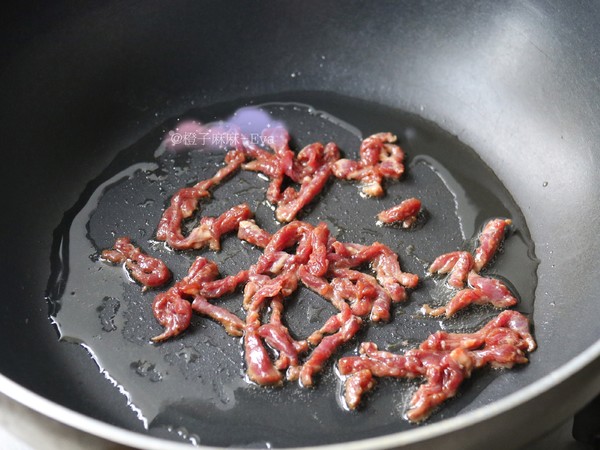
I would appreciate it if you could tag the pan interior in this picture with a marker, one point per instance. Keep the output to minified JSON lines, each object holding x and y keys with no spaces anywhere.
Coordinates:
{"x":193,"y":387}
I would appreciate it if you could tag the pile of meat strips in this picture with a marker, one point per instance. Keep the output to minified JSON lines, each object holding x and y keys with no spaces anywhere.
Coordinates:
{"x":300,"y":252}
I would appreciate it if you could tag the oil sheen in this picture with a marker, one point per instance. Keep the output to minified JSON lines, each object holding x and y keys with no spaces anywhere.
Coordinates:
{"x":192,"y":387}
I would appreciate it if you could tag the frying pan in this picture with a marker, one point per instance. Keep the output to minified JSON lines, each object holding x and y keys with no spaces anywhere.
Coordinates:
{"x":515,"y":82}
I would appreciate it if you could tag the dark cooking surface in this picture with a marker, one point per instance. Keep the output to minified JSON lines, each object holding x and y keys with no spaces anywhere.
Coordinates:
{"x":194,"y":385}
{"x":516,"y":82}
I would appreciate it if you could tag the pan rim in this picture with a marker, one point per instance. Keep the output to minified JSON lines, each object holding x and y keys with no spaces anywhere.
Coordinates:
{"x":115,"y":434}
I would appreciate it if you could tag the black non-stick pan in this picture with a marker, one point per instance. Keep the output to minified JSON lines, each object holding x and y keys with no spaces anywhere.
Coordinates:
{"x":495,"y":106}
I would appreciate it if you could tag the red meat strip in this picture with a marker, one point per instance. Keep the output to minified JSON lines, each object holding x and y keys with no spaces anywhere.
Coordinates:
{"x":210,"y":230}
{"x":279,"y":140}
{"x":458,"y":264}
{"x":444,"y":360}
{"x":380,"y":158}
{"x":316,"y":284}
{"x":147,"y":270}
{"x":259,"y":366}
{"x":312,"y":182}
{"x":251,"y":287}
{"x":233,"y":161}
{"x":484,"y":291}
{"x":268,"y":164}
{"x":461,"y":265}
{"x":357,"y":384}
{"x":283,"y":284}
{"x":201,"y":280}
{"x":234,"y":326}
{"x":381,"y":363}
{"x":391,"y":276}
{"x":293,"y":201}
{"x":357,"y":289}
{"x":311,"y":158}
{"x":365,"y":294}
{"x":406,"y":212}
{"x":172,"y":312}
{"x":185,"y":202}
{"x":385,"y":263}
{"x":259,"y":290}
{"x":297,"y":251}
{"x":250,"y":232}
{"x":201,"y":271}
{"x":311,"y":168}
{"x":286,"y":237}
{"x":489,"y":241}
{"x":218,"y":288}
{"x":278,"y":337}
{"x":349,"y":325}
{"x":509,"y":327}
{"x":444,"y":374}
{"x":275,"y":276}
{"x":318,"y":263}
